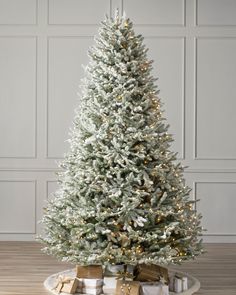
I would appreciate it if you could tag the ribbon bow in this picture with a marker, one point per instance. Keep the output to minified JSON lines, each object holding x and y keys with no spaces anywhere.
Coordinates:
{"x":61,"y":280}
{"x":163,"y":281}
{"x":179,"y":276}
{"x":124,"y":275}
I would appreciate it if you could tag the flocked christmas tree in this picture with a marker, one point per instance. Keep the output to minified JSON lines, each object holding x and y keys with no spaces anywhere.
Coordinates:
{"x":122,"y":197}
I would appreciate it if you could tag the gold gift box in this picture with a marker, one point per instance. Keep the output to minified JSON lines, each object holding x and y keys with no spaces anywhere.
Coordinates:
{"x":89,"y":271}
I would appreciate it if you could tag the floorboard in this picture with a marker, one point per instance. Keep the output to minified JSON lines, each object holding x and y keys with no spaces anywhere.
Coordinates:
{"x":23,"y":268}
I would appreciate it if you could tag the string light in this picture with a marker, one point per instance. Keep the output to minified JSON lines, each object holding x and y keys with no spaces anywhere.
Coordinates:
{"x":102,"y":169}
{"x":126,"y":24}
{"x":119,"y":98}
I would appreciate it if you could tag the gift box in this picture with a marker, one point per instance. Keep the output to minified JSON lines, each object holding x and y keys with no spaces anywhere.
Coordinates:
{"x":109,"y":285}
{"x":154,"y":288}
{"x":66,"y":284}
{"x":184,"y":283}
{"x":109,"y":292}
{"x":124,"y":287}
{"x":178,"y":283}
{"x":90,"y":286}
{"x":89,"y":271}
{"x":109,"y":282}
{"x":113,"y":270}
{"x":150,"y":273}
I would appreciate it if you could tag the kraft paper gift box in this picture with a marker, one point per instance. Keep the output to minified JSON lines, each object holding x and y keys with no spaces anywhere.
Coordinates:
{"x":90,"y":286}
{"x":66,"y":284}
{"x":89,"y":271}
{"x":124,"y":287}
{"x":70,"y":287}
{"x":150,"y":273}
{"x":154,"y":288}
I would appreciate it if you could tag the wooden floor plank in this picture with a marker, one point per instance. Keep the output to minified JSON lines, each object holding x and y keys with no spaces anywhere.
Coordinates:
{"x":23,"y":268}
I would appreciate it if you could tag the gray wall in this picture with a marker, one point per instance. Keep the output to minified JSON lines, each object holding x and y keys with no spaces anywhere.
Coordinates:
{"x":42,"y":46}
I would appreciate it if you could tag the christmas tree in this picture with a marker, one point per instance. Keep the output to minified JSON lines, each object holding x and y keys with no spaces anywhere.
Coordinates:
{"x":122,"y":196}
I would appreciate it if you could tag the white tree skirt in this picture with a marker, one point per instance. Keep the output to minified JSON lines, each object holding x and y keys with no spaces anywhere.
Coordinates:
{"x":50,"y":283}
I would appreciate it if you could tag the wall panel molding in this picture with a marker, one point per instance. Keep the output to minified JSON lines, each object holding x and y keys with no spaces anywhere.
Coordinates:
{"x":13,"y":61}
{"x":83,"y":13}
{"x":146,"y":13}
{"x":223,"y":14}
{"x":51,"y":154}
{"x":20,"y":209}
{"x":214,"y":203}
{"x":196,"y":98}
{"x":18,"y":12}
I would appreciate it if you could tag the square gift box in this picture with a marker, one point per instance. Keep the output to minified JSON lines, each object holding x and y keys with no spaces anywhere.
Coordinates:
{"x":178,"y":283}
{"x":66,"y":284}
{"x":90,"y":286}
{"x":154,"y":288}
{"x":89,"y":271}
{"x":150,"y":273}
{"x":109,"y":282}
{"x":124,"y":287}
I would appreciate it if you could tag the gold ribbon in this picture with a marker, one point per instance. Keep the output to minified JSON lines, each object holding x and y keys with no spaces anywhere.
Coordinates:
{"x":124,"y":275}
{"x":125,"y":289}
{"x":163,"y":281}
{"x":61,"y":280}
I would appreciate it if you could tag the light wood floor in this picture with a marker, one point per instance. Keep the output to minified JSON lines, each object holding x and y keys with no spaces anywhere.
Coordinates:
{"x":23,"y":268}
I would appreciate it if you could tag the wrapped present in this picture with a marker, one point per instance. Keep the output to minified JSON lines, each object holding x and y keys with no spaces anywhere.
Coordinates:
{"x":150,"y":273}
{"x":109,"y":285}
{"x":109,"y":292}
{"x":109,"y":282}
{"x":184,"y":283}
{"x":66,"y":284}
{"x":124,"y":287}
{"x":154,"y":288}
{"x":178,"y":283}
{"x":90,"y":286}
{"x":89,"y":271}
{"x":171,"y":283}
{"x":112,"y":270}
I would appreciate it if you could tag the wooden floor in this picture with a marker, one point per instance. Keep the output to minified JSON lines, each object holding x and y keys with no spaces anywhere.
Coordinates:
{"x":23,"y":268}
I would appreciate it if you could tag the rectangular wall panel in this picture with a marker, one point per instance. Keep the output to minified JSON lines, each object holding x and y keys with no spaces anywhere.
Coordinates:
{"x":215,"y":98}
{"x":65,"y":59}
{"x":217,"y":205}
{"x":18,"y":12}
{"x":75,"y":12}
{"x":170,"y":51}
{"x":155,"y":12}
{"x":17,"y":97}
{"x":17,"y":210}
{"x":216,"y":12}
